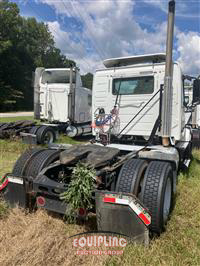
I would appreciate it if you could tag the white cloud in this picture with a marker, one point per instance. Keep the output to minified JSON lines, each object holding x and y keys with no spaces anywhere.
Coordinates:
{"x":63,"y":40}
{"x":189,"y":49}
{"x":73,"y":50}
{"x":109,"y":27}
{"x":111,"y":30}
{"x":183,"y":8}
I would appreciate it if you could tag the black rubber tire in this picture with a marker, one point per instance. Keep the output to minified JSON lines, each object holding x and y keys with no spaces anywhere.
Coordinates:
{"x":34,"y":130}
{"x":21,"y":163}
{"x":130,"y":176}
{"x":41,"y":133}
{"x":6,"y":126}
{"x":42,"y":160}
{"x":196,"y":139}
{"x":153,"y":192}
{"x":18,"y":123}
{"x":1,"y":124}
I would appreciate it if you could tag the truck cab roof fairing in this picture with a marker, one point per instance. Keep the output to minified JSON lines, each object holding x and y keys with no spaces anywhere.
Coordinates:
{"x":132,"y":60}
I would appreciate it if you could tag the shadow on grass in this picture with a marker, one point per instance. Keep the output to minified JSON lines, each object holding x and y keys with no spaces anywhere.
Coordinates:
{"x":84,"y":138}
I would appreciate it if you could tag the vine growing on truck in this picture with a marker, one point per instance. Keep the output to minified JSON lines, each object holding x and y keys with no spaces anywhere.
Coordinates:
{"x":79,"y":192}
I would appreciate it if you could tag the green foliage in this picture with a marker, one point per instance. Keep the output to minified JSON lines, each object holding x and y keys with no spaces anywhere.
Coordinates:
{"x":24,"y":45}
{"x":87,"y":80}
{"x":79,"y":192}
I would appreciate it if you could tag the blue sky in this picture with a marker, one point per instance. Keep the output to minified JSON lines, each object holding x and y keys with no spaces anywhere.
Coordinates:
{"x":90,"y":31}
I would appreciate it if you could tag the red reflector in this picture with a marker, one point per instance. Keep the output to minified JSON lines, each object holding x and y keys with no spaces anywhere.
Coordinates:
{"x":111,"y":200}
{"x":40,"y":201}
{"x":144,"y":218}
{"x":4,"y":183}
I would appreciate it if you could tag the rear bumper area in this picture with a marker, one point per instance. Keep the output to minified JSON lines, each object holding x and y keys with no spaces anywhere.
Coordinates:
{"x":116,"y":212}
{"x":41,"y":192}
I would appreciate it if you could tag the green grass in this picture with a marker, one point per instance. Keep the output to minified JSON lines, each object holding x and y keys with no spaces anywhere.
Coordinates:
{"x":4,"y":209}
{"x":14,"y":119}
{"x":67,"y":140}
{"x":9,"y":152}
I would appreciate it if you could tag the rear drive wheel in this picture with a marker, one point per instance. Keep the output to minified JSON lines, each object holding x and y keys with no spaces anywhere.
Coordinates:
{"x":46,"y":135}
{"x":157,"y":193}
{"x":34,"y":130}
{"x":130,"y":176}
{"x":1,"y":124}
{"x":42,"y":160}
{"x":23,"y":160}
{"x":196,"y":138}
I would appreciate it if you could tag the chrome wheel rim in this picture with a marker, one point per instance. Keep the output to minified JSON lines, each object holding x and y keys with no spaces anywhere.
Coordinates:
{"x":48,"y":138}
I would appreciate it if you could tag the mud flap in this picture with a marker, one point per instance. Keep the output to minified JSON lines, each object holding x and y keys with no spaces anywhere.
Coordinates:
{"x":14,"y":193}
{"x":123,"y":214}
{"x":28,"y":138}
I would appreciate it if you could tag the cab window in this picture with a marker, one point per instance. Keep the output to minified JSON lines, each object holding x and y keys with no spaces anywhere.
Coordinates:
{"x":133,"y":85}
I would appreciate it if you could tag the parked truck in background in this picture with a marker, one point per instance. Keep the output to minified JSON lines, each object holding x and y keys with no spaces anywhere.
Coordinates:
{"x":61,"y":104}
{"x":61,"y":101}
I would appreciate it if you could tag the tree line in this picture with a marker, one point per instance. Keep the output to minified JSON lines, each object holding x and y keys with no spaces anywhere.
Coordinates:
{"x":24,"y":45}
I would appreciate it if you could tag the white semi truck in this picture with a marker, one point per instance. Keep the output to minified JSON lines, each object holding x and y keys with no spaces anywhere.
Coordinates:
{"x":142,"y":140}
{"x":135,"y":81}
{"x":190,"y":102}
{"x":62,"y":102}
{"x":61,"y":99}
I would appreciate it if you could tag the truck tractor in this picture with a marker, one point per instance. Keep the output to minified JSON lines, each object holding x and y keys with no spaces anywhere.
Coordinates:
{"x":62,"y":102}
{"x":142,"y":140}
{"x":192,"y":105}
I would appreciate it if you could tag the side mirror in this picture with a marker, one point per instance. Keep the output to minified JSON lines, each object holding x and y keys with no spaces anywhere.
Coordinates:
{"x":186,"y":100}
{"x":196,"y":91}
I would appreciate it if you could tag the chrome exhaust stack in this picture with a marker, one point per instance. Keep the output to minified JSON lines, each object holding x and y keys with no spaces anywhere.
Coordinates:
{"x":168,"y":92}
{"x":71,"y":97}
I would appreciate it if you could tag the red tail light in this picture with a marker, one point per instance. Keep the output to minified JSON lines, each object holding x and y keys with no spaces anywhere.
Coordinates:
{"x":41,"y":201}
